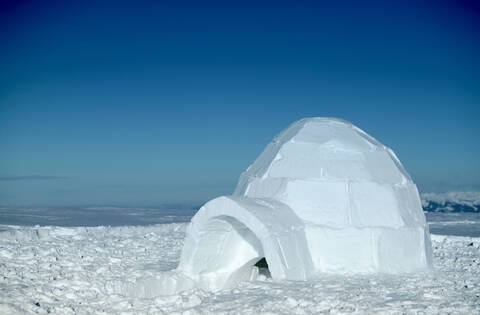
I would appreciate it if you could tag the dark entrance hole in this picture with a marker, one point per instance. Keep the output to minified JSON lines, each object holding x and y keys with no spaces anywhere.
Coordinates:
{"x":262,"y":266}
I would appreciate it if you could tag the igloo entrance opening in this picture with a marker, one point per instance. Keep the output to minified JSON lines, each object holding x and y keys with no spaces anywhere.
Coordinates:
{"x":229,"y":235}
{"x":262,"y":266}
{"x":227,"y":253}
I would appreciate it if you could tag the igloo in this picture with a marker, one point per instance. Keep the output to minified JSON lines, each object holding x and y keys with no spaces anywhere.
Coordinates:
{"x":323,"y":196}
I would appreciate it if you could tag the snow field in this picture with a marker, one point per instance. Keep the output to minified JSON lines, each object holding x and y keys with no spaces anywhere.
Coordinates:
{"x":107,"y":270}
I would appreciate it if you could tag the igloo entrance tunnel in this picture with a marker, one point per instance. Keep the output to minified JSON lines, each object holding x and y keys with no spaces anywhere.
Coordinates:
{"x":324,"y":196}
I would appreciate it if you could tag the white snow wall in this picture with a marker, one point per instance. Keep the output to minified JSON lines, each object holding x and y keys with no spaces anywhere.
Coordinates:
{"x":324,"y":196}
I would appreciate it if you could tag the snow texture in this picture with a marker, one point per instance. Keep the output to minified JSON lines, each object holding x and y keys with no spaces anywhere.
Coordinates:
{"x":121,"y":270}
{"x":324,"y":196}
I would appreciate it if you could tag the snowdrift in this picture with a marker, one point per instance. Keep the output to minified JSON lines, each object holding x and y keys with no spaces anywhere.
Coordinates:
{"x":324,"y":196}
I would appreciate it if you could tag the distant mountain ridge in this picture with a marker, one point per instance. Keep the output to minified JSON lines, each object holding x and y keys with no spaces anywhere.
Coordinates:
{"x":468,"y":201}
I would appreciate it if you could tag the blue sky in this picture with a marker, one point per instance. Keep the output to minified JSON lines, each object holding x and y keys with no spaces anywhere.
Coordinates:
{"x":149,"y":103}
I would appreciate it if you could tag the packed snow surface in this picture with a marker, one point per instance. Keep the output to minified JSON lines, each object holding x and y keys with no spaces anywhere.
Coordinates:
{"x":106,"y":270}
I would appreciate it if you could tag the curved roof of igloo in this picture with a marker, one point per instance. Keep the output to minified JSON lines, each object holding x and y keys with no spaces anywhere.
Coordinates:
{"x":330,"y":172}
{"x":325,"y":149}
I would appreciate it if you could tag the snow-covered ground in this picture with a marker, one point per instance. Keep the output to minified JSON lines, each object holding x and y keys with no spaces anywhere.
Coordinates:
{"x":86,"y":270}
{"x":91,"y":216}
{"x":113,"y":260}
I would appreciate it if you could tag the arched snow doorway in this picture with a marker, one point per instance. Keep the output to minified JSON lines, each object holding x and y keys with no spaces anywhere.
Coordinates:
{"x":236,"y":249}
{"x":229,"y":235}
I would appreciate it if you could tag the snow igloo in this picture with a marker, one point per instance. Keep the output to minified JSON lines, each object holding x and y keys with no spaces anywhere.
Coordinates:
{"x":324,"y":196}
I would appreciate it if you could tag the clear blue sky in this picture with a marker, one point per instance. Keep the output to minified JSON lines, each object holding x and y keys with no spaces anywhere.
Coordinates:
{"x":146,"y":103}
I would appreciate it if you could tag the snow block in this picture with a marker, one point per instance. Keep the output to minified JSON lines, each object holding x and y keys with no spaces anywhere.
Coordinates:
{"x":324,"y":196}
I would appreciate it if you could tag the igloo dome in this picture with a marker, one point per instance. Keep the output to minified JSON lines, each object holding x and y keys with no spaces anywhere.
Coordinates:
{"x":324,"y":196}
